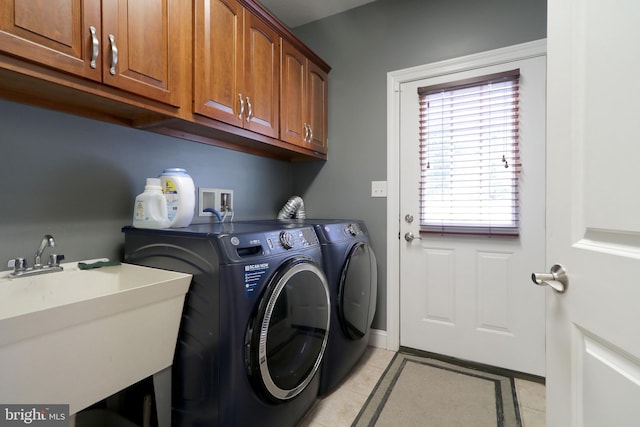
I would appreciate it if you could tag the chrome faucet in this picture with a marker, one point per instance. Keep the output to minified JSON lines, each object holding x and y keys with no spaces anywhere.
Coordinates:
{"x":47,"y":242}
{"x":20,"y":268}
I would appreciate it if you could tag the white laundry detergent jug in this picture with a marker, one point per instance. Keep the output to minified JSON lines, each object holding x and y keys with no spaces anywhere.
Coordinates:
{"x":180,"y":193}
{"x":150,"y":207}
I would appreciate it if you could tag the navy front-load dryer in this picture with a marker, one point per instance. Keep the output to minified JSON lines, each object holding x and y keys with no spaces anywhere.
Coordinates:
{"x":351,"y":268}
{"x":255,"y":323}
{"x":352,"y":271}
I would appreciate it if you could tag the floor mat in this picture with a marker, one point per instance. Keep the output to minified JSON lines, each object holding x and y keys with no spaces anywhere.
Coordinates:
{"x":423,"y":391}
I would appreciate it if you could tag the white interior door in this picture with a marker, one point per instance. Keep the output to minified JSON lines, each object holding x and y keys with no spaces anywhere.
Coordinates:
{"x":470,"y":297}
{"x":593,"y":219}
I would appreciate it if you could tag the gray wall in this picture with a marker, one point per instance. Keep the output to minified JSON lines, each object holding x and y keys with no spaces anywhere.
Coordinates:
{"x":77,"y":179}
{"x":364,"y":44}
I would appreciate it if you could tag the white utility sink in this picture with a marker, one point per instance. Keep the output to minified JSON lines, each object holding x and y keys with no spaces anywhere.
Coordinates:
{"x":78,"y":336}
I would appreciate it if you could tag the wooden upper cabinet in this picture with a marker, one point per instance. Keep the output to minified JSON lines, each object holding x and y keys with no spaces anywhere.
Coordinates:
{"x":127,"y":44}
{"x":218,"y":60}
{"x":303,"y":109}
{"x":145,"y":35}
{"x":293,"y":109}
{"x":317,"y":92}
{"x":55,"y":33}
{"x":262,"y":76}
{"x":237,"y":67}
{"x":224,"y":72}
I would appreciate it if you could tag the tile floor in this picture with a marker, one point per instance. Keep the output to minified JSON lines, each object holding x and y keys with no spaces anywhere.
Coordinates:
{"x":531,"y":396}
{"x":341,"y":407}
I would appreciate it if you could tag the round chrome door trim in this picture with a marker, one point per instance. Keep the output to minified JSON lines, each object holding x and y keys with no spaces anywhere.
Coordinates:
{"x":270,"y":385}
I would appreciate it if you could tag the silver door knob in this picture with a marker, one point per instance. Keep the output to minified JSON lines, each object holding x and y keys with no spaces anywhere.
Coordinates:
{"x":409,"y":237}
{"x":557,"y":278}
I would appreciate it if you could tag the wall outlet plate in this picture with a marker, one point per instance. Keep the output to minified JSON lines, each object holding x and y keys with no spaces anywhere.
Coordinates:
{"x":219,"y":199}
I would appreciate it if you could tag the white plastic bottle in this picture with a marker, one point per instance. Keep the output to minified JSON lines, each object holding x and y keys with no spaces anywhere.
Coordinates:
{"x":180,"y":192}
{"x":150,"y":208}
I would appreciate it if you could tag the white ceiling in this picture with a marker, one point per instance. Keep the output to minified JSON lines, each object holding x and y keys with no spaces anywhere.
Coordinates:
{"x":294,"y":13}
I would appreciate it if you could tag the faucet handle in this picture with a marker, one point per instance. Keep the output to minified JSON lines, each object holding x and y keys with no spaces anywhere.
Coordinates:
{"x":54,"y":260}
{"x":18,"y":264}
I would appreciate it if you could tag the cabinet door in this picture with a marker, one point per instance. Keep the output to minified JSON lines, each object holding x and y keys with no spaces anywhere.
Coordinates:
{"x":218,"y":60}
{"x":140,"y":47}
{"x":262,"y":75}
{"x":54,"y":33}
{"x":293,"y":111}
{"x":317,"y":92}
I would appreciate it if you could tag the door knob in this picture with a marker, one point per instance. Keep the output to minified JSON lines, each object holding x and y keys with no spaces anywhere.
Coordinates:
{"x":409,"y":237}
{"x":557,"y":278}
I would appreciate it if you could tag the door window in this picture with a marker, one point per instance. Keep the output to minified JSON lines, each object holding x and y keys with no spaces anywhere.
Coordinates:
{"x":469,"y":155}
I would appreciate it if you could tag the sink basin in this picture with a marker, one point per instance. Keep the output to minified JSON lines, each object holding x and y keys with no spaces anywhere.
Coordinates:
{"x":78,"y":336}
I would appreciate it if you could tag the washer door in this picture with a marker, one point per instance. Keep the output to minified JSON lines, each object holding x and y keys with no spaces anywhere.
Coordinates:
{"x":358,"y":291}
{"x":287,"y":336}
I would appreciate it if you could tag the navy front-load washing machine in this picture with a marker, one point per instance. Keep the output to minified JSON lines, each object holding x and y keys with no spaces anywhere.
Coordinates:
{"x":351,"y":268}
{"x":255,"y":323}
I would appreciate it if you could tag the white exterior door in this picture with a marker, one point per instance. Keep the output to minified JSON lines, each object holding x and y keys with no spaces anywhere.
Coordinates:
{"x":471,"y":297}
{"x":593,"y":213}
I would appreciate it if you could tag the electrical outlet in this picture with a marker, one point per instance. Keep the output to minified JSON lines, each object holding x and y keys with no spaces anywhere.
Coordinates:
{"x":215,"y":198}
{"x":378,"y":188}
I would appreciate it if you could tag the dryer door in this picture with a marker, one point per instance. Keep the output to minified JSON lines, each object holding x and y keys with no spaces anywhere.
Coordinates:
{"x":287,"y":337}
{"x":358,"y":291}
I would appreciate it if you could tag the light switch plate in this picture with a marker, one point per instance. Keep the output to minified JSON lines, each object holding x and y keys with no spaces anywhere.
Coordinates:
{"x":378,"y":188}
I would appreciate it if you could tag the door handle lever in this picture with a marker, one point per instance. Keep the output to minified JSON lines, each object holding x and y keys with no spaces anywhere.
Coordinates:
{"x":557,"y":278}
{"x":409,"y":237}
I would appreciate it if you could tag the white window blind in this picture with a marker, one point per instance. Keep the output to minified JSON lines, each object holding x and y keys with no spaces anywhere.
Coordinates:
{"x":469,"y":156}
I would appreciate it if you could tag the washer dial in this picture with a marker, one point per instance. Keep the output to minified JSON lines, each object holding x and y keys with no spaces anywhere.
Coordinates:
{"x":287,"y":240}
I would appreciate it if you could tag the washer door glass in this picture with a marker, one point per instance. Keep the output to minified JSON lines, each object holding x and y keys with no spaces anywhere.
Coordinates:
{"x":358,"y":291}
{"x":290,"y":331}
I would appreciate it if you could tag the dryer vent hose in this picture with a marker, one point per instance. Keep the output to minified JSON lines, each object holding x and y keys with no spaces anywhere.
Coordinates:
{"x":294,"y":208}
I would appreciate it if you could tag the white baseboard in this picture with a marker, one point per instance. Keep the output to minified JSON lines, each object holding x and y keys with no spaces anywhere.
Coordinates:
{"x":378,"y":338}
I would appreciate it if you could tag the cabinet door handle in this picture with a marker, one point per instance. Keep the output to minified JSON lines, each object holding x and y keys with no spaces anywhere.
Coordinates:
{"x":114,"y":54}
{"x":240,"y":114}
{"x":249,"y":110}
{"x":95,"y":47}
{"x":310,"y":134}
{"x":305,"y":138}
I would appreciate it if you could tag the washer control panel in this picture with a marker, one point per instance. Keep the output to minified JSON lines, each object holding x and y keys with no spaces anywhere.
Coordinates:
{"x":278,"y":241}
{"x":291,"y":239}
